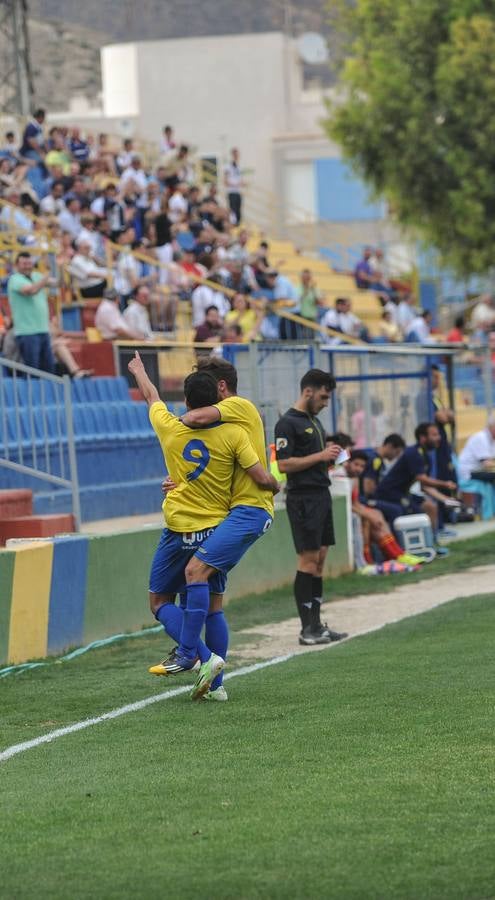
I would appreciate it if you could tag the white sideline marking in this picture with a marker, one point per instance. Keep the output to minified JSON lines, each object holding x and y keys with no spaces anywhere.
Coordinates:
{"x":15,"y":749}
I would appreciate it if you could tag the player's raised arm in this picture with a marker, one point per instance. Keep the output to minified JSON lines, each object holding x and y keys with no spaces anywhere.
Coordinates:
{"x":144,"y":384}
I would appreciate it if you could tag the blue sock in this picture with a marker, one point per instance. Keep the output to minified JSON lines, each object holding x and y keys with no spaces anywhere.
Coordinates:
{"x":198,"y":601}
{"x":172,"y":618}
{"x":217,"y":639}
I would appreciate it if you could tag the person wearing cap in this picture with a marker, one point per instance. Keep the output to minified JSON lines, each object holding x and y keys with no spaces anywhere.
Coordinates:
{"x":111,"y":323}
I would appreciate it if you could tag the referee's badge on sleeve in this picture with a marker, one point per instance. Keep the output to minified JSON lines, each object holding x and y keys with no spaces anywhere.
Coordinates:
{"x":281,"y":443}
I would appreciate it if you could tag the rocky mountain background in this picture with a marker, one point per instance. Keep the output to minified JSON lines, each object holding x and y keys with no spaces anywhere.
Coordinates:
{"x":66,"y":35}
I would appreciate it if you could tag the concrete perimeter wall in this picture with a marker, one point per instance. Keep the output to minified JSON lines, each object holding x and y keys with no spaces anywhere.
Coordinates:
{"x":75,"y":589}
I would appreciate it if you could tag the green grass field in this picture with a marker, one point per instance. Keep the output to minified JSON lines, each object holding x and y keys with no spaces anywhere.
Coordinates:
{"x":363,"y":772}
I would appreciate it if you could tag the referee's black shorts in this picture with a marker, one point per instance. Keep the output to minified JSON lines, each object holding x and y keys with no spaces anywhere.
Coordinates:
{"x":311,"y":519}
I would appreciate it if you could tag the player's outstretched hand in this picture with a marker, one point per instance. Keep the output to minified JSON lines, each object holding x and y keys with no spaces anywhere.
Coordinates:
{"x":136,"y":364}
{"x":330,"y":453}
{"x":168,"y":484}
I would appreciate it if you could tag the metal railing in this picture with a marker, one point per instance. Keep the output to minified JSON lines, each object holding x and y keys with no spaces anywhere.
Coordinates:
{"x":37,"y":430}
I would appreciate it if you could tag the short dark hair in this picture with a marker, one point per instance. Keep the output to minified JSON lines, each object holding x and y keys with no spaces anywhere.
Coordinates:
{"x":209,"y":308}
{"x":317,"y":378}
{"x":395,"y":440}
{"x":10,"y":134}
{"x":342,"y":439}
{"x":200,"y":389}
{"x":359,"y":454}
{"x":221,"y":370}
{"x":38,"y":113}
{"x":422,"y":430}
{"x":22,"y":255}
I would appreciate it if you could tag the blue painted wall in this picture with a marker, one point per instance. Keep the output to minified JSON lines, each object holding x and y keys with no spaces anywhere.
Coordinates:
{"x":341,"y":197}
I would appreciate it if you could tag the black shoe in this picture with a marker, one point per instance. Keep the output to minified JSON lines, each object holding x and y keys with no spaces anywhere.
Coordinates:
{"x":334,"y":635}
{"x":319,"y":634}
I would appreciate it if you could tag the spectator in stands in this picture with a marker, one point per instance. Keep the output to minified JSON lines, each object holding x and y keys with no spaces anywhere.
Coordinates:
{"x":456,"y":334}
{"x":388,"y":329}
{"x":284,"y":295}
{"x":11,"y":147}
{"x":419,"y":331}
{"x":53,"y":204}
{"x":57,"y":154}
{"x":30,"y":314}
{"x":406,"y":313}
{"x":190,"y":265}
{"x":240,"y":277}
{"x":88,"y":233}
{"x":238,"y":250}
{"x":366,"y":278}
{"x":109,"y":206}
{"x":211,"y":327}
{"x":249,"y":320}
{"x":79,"y":149}
{"x":125,"y":157}
{"x":413,"y":466}
{"x":343,"y":319}
{"x":69,"y":218}
{"x":111,"y":323}
{"x":16,"y":218}
{"x":231,"y":334}
{"x":309,"y":298}
{"x":483,"y":316}
{"x":128,"y":276}
{"x":477,"y":454}
{"x":134,"y":183}
{"x":234,"y":184}
{"x":205,"y":296}
{"x":88,"y":276}
{"x":177,"y":204}
{"x":136,"y":313}
{"x":33,"y":142}
{"x":167,"y":143}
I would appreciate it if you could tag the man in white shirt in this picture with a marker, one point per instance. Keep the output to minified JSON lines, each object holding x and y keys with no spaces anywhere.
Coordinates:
{"x":479,"y":453}
{"x":418,"y":331}
{"x":136,"y":313}
{"x":53,"y":204}
{"x":133,"y":182}
{"x":177,"y":204}
{"x":405,"y":313}
{"x":70,"y":217}
{"x":111,"y":323}
{"x":88,"y":276}
{"x":342,"y":319}
{"x":204,"y":297}
{"x":233,"y":183}
{"x":125,"y":157}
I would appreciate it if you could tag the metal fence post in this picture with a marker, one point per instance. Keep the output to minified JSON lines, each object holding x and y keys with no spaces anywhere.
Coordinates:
{"x":71,"y":448}
{"x":487,"y":378}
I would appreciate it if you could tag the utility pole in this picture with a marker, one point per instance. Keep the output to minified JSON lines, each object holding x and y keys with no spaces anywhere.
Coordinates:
{"x":16,"y":89}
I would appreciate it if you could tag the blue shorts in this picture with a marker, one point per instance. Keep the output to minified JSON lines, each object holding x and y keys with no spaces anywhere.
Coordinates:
{"x":229,"y":541}
{"x":171,"y":558}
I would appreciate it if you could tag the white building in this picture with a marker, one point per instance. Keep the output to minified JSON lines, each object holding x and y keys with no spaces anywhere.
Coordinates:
{"x":236,"y":90}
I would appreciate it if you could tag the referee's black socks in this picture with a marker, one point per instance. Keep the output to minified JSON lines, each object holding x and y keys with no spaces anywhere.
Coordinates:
{"x":303,"y":592}
{"x":317,"y":600}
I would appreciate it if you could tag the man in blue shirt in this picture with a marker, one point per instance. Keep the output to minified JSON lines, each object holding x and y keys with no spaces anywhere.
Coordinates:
{"x":412,"y":466}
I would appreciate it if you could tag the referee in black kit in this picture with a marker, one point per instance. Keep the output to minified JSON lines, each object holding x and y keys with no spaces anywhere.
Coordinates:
{"x":304,"y":455}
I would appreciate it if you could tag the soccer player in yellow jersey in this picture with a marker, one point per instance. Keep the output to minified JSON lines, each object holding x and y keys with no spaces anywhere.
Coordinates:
{"x":202,"y":466}
{"x":251,"y":507}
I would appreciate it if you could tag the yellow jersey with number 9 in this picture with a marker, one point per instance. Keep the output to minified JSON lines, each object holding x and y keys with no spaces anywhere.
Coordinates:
{"x":239,"y":411}
{"x":202,"y":463}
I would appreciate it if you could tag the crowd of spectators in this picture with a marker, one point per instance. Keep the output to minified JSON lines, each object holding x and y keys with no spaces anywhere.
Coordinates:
{"x":99,"y":203}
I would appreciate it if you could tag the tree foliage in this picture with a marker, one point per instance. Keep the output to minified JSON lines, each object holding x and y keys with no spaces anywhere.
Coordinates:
{"x":416,"y":117}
